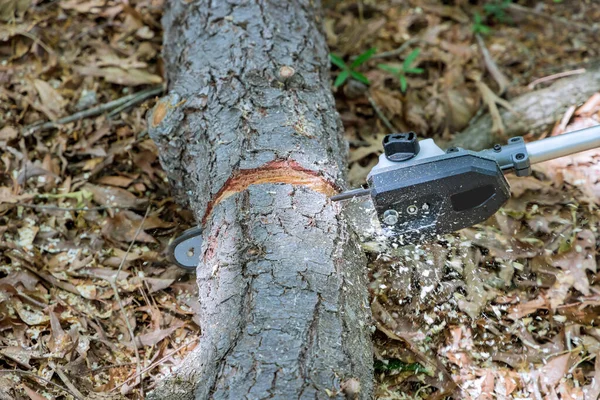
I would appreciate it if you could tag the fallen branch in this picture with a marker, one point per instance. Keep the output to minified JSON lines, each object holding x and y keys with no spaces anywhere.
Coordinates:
{"x":32,"y":375}
{"x":381,"y":115}
{"x":118,"y":104}
{"x":535,"y":111}
{"x":562,"y":21}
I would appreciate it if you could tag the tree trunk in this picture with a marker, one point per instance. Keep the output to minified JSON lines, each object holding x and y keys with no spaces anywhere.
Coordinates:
{"x":250,"y":139}
{"x":536,"y":111}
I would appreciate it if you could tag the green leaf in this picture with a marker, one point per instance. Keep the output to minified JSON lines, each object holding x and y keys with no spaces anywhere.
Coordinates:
{"x":337,"y":60}
{"x":364,"y":57}
{"x":414,"y":70}
{"x":341,"y":78}
{"x":403,"y":84}
{"x":360,"y":77}
{"x":389,"y":68}
{"x":411,"y":58}
{"x":479,"y":26}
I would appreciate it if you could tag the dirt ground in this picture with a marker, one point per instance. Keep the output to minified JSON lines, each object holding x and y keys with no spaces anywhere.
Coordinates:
{"x":90,"y":305}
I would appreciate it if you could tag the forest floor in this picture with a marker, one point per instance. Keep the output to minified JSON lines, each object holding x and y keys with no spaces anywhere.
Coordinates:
{"x":91,"y":307}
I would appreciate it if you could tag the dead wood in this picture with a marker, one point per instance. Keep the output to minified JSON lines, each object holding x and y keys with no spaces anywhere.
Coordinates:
{"x":534,"y":112}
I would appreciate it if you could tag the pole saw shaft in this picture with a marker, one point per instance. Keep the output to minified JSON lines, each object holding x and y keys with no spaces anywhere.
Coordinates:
{"x":563,"y":145}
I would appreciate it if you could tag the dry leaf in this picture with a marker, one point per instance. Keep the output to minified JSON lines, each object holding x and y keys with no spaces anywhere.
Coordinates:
{"x":579,"y":259}
{"x":111,"y":196}
{"x":153,"y":338}
{"x":130,"y":77}
{"x":49,"y":97}
{"x":551,"y":373}
{"x":157,"y":284}
{"x":122,"y":229}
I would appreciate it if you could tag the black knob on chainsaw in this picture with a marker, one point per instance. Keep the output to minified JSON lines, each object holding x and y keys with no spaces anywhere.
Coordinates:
{"x":401,"y":146}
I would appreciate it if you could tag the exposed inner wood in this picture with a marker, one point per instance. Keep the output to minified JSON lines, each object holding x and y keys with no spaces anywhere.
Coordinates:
{"x":281,"y":171}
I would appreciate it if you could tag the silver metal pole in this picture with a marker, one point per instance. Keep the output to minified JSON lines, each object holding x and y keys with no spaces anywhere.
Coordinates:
{"x":563,"y":145}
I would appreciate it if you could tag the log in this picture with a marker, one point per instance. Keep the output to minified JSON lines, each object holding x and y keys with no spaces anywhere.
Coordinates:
{"x":250,"y":140}
{"x":536,"y":111}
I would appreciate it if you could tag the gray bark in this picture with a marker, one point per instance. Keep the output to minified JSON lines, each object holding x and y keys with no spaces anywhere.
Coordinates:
{"x":250,"y":139}
{"x":536,"y":111}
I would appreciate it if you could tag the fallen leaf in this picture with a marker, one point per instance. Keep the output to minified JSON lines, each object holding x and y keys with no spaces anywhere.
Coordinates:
{"x":33,"y":395}
{"x":8,"y":133}
{"x":153,"y":338}
{"x":49,"y":97}
{"x":580,"y":258}
{"x":157,"y":284}
{"x":122,"y":229}
{"x":523,"y":309}
{"x":30,"y":315}
{"x":130,"y":77}
{"x":20,"y":355}
{"x":111,"y":196}
{"x":551,"y":373}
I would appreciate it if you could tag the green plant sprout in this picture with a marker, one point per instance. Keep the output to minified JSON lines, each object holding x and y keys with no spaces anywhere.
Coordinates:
{"x":479,"y":26}
{"x":406,"y":68}
{"x":350,"y":71}
{"x":497,"y":9}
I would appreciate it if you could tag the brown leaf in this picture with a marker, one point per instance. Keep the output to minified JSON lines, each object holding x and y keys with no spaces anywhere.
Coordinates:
{"x":461,"y":107}
{"x":122,"y":229}
{"x":130,"y":77}
{"x":113,"y":196}
{"x":30,"y":315}
{"x":592,"y":391}
{"x":580,"y":258}
{"x":551,"y":373}
{"x":8,"y":133}
{"x":33,"y":395}
{"x":120,"y":181}
{"x":20,"y":355}
{"x":157,"y":284}
{"x":388,"y":101}
{"x":521,"y":310}
{"x":374,"y":146}
{"x":49,"y":97}
{"x":153,"y":338}
{"x":84,"y":7}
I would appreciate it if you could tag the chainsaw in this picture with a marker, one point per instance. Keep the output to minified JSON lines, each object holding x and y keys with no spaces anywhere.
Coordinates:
{"x":420,"y":191}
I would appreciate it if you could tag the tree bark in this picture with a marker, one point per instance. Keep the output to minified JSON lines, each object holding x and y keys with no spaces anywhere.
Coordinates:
{"x":536,"y":111}
{"x":251,"y":141}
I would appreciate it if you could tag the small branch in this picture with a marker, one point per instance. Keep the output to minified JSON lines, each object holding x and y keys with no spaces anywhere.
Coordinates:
{"x":492,"y":67}
{"x":57,"y":208}
{"x":154,"y":364}
{"x":18,"y":371}
{"x":556,"y":76}
{"x":398,"y":51}
{"x":128,"y":100}
{"x":563,"y":21}
{"x":380,"y":114}
{"x":63,"y":377}
{"x":37,"y":41}
{"x":113,"y":284}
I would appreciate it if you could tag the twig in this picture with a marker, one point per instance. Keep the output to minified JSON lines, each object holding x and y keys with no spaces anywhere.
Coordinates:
{"x":90,"y":112}
{"x":138,"y":99}
{"x":57,"y":208}
{"x":18,"y":371}
{"x":556,"y":76}
{"x":527,"y":10}
{"x":63,"y":377}
{"x":37,"y":41}
{"x":155,"y":363}
{"x":380,"y":114}
{"x":113,"y":284}
{"x":398,"y":51}
{"x":492,"y":67}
